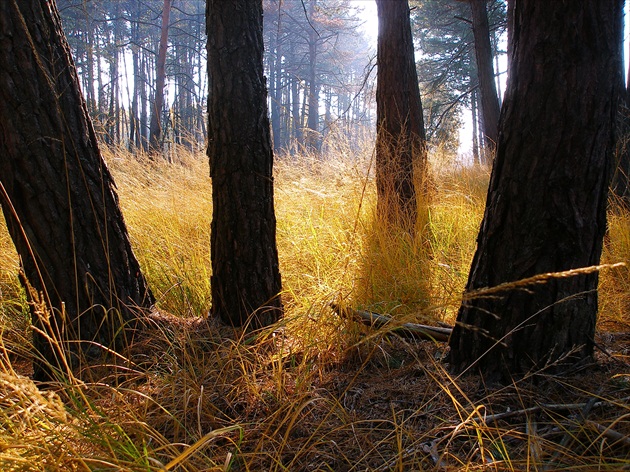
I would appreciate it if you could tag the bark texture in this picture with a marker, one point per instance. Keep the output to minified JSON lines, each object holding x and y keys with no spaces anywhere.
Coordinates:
{"x":245,"y":272}
{"x":57,"y":194}
{"x":400,"y":141}
{"x":546,"y":204}
{"x":490,"y":108}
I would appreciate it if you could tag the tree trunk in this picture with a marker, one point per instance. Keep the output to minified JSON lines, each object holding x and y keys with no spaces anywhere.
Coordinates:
{"x":275,"y":68}
{"x":245,"y":272}
{"x":546,"y":205}
{"x":487,"y":86}
{"x":620,"y":184}
{"x":155,"y":135}
{"x":400,"y":141}
{"x":312,"y":140}
{"x":58,"y":197}
{"x":475,"y":141}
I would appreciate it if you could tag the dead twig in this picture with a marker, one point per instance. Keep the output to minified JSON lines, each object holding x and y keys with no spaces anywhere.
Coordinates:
{"x":405,"y":330}
{"x":609,"y":433}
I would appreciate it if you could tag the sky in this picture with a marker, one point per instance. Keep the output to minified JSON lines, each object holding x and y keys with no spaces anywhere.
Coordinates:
{"x":367,"y":12}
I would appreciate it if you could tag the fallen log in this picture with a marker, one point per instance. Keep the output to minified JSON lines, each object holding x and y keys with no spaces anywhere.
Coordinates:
{"x":404,"y":330}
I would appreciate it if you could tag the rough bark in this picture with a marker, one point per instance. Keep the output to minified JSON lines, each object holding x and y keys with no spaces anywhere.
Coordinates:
{"x":245,"y":272}
{"x":546,"y":204}
{"x":58,"y":196}
{"x":400,"y":141}
{"x":487,"y":86}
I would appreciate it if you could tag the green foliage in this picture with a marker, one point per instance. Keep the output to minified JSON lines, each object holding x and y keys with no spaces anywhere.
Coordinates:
{"x":446,"y":62}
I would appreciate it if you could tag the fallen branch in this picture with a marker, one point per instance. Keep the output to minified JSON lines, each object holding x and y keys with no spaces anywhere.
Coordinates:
{"x":552,"y":407}
{"x":405,"y":330}
{"x":536,"y":409}
{"x":611,"y":434}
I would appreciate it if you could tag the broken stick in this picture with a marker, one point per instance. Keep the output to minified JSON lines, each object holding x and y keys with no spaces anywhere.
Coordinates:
{"x":405,"y":330}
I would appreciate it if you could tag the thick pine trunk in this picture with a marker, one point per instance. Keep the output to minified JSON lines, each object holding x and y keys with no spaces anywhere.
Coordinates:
{"x":546,"y":205}
{"x":400,"y":141}
{"x":58,"y":197}
{"x":245,"y":272}
{"x":483,"y":53}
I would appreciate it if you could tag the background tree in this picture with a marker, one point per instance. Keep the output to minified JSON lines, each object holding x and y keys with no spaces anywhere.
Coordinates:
{"x":447,"y":68}
{"x":160,"y":76}
{"x":110,"y":37}
{"x":315,"y":47}
{"x":400,"y":140}
{"x":58,"y":196}
{"x":245,"y":273}
{"x":485,"y":72}
{"x":315,"y":58}
{"x":546,"y":205}
{"x":620,"y":184}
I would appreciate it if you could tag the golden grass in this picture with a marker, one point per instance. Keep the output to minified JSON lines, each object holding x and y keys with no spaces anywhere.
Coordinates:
{"x":313,"y":392}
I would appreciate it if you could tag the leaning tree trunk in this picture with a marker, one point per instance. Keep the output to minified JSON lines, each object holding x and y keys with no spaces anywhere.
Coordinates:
{"x":490,"y":108}
{"x":57,"y":194}
{"x":546,"y":205}
{"x":245,"y":271}
{"x":400,"y":139}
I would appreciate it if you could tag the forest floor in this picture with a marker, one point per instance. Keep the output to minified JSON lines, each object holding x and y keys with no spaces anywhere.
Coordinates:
{"x":314,"y":392}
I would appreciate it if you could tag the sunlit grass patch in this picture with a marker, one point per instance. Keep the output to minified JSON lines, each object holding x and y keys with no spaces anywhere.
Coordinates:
{"x":614,"y":284}
{"x":314,"y":391}
{"x":168,"y":210}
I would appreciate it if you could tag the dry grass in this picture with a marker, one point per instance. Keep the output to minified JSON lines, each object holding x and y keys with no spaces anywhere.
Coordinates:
{"x":314,"y":392}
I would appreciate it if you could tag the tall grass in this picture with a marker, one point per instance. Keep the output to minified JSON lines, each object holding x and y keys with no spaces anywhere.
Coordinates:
{"x":314,"y":392}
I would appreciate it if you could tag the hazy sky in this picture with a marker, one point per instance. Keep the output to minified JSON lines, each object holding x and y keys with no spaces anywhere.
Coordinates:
{"x":367,"y":12}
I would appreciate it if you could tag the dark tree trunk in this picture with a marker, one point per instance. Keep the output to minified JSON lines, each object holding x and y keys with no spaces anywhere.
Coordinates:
{"x":155,"y":135}
{"x":546,"y":205}
{"x":400,"y":141}
{"x":487,"y":86}
{"x":58,"y":197}
{"x":245,"y":272}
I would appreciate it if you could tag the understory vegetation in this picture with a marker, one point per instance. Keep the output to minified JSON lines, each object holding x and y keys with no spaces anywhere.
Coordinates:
{"x":315,"y":391}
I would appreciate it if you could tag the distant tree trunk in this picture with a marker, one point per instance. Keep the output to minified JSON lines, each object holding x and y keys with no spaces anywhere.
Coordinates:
{"x":546,"y":206}
{"x":112,"y":123}
{"x":487,"y":86}
{"x":91,"y":95}
{"x":245,"y":272}
{"x":155,"y":135}
{"x":58,"y":196}
{"x":275,"y":66}
{"x":620,"y":184}
{"x":312,"y":123}
{"x":475,"y":141}
{"x":295,"y":113}
{"x":142,"y":126}
{"x":400,"y":139}
{"x":510,"y":29}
